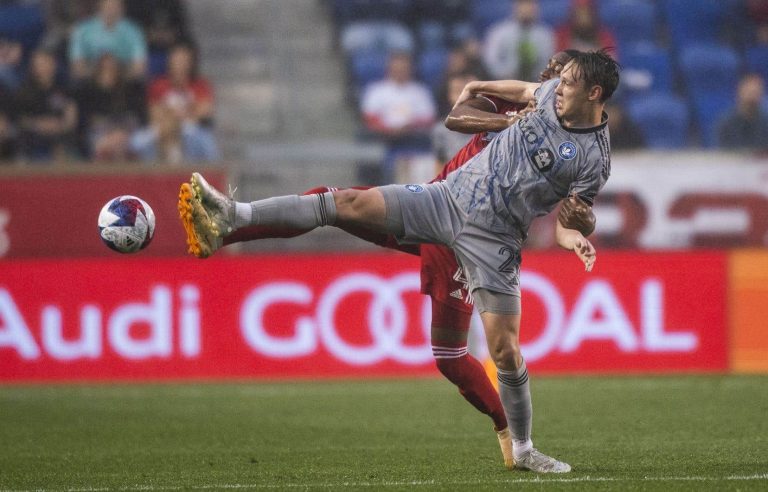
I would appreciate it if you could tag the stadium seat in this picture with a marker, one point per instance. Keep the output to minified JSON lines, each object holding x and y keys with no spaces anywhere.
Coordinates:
{"x":346,"y":11}
{"x":431,"y":34}
{"x":631,"y":21}
{"x":431,"y":65}
{"x":711,"y":73}
{"x":368,"y":66}
{"x":485,"y":13}
{"x":376,"y":35}
{"x":646,"y":67}
{"x":554,"y":12}
{"x":692,"y":21}
{"x":757,"y":60}
{"x":662,"y":117}
{"x":22,"y":23}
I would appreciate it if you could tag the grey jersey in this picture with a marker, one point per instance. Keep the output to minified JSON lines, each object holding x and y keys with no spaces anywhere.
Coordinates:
{"x":529,"y":167}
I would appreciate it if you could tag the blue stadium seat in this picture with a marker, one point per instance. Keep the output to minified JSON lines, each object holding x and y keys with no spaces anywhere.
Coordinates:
{"x":368,"y":66}
{"x":694,"y":21}
{"x":711,"y":73}
{"x":757,"y":60}
{"x":354,"y":10}
{"x":662,"y":117}
{"x":554,"y":12}
{"x":631,"y":21}
{"x":22,"y":23}
{"x":431,"y":66}
{"x":646,"y":67}
{"x":485,"y":13}
{"x":376,"y":35}
{"x":431,"y":34}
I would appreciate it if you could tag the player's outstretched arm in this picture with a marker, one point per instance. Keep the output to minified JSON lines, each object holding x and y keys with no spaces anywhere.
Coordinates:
{"x":477,"y":115}
{"x":573,"y":240}
{"x":516,"y":91}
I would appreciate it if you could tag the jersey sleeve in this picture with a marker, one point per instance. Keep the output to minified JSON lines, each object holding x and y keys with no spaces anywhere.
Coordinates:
{"x":595,"y":172}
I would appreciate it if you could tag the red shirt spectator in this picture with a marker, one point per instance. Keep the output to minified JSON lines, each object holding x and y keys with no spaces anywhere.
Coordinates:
{"x":182,"y":90}
{"x":583,"y":31}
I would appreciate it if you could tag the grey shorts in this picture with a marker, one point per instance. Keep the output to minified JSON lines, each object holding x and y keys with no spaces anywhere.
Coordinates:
{"x":429,"y":214}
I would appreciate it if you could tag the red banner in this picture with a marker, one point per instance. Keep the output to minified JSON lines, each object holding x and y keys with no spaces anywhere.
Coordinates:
{"x":56,"y":216}
{"x":342,"y":315}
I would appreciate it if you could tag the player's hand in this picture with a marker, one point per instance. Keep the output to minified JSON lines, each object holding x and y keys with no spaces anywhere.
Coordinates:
{"x":586,"y":252}
{"x":576,"y":214}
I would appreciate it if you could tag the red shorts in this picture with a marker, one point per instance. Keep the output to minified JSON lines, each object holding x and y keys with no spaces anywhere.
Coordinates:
{"x":443,"y":279}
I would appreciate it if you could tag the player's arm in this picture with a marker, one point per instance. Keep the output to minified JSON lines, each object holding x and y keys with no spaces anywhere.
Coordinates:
{"x":477,"y":115}
{"x":573,"y":240}
{"x":516,"y":91}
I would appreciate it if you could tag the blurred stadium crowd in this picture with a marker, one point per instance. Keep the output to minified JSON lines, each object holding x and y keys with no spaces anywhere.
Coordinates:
{"x":112,"y":80}
{"x":101,"y":80}
{"x":693,"y":70}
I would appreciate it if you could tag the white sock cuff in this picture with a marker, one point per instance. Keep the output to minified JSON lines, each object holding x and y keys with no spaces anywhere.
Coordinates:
{"x":520,"y":447}
{"x":243,"y":214}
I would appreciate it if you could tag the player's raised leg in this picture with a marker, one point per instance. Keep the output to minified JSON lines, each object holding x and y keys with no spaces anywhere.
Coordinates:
{"x":208,"y":215}
{"x":501,"y":320}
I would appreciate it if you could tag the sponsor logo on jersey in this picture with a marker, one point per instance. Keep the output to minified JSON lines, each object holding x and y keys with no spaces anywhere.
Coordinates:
{"x":567,"y":150}
{"x":457,"y":294}
{"x":543,"y":158}
{"x":414,"y":188}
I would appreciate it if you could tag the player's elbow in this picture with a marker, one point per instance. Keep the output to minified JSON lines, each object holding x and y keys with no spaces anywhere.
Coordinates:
{"x":453,"y":122}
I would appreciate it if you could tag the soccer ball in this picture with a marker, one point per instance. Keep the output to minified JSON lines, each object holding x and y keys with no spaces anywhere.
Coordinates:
{"x":126,"y":224}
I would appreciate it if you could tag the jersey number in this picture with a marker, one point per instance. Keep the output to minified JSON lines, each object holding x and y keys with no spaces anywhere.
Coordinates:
{"x":511,"y":264}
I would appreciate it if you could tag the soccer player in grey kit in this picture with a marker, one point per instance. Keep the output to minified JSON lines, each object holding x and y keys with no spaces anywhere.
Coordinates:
{"x":482,"y":210}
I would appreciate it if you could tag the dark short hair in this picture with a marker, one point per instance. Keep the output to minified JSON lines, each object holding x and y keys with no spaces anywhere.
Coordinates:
{"x":597,"y":68}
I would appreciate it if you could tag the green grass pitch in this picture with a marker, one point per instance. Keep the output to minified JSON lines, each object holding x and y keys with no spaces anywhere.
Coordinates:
{"x":618,"y":433}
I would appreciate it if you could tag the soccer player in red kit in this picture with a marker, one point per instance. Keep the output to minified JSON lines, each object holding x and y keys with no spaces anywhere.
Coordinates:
{"x":441,"y":277}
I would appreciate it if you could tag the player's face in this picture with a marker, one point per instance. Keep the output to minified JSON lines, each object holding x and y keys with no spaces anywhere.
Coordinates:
{"x":572,"y":94}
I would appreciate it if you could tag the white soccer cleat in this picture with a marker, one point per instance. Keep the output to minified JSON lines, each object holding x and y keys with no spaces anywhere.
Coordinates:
{"x":505,"y":442}
{"x":536,"y":461}
{"x":219,"y":207}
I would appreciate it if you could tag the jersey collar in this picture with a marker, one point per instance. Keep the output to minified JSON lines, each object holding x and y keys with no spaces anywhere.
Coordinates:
{"x":591,"y":129}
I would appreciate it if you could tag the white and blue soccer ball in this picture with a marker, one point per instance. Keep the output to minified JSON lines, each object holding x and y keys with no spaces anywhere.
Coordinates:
{"x":126,"y":224}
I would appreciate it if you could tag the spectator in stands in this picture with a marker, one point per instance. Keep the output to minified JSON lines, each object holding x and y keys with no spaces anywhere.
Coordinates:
{"x":181,"y":109}
{"x":746,"y":126}
{"x":61,"y":17}
{"x":112,"y":108}
{"x":583,"y":30}
{"x":164,"y":22}
{"x":8,"y":140}
{"x":447,"y":143}
{"x":399,"y":110}
{"x":625,"y":134}
{"x":10,"y":58}
{"x":519,"y":48}
{"x":466,"y":57}
{"x":108,"y":32}
{"x":46,"y":114}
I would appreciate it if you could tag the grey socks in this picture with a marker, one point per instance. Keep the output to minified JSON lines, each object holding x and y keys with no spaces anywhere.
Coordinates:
{"x":302,"y":212}
{"x":515,"y":394}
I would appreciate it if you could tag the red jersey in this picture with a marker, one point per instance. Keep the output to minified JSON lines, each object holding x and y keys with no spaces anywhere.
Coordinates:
{"x":479,"y":141}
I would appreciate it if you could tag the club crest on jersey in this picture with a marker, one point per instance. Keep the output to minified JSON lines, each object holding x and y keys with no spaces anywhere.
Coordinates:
{"x":567,"y":150}
{"x":414,"y":188}
{"x":543,"y":158}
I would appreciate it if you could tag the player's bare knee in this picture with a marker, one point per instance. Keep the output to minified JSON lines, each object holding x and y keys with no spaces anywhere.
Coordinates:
{"x":506,"y":356}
